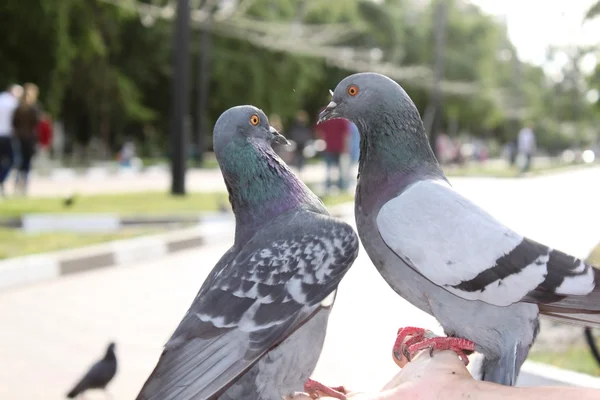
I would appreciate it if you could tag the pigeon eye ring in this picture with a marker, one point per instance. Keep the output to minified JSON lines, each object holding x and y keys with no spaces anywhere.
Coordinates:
{"x":352,"y":90}
{"x":254,"y":119}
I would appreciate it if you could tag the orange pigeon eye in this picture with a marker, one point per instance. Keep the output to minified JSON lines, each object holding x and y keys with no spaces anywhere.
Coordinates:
{"x":254,"y":119}
{"x":352,"y":90}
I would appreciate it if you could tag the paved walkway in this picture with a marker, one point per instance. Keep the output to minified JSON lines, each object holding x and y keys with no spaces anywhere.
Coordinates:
{"x":52,"y":331}
{"x":98,"y":180}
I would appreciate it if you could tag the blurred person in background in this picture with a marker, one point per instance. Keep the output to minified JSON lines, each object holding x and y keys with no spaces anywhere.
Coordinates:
{"x":481,"y":151}
{"x":25,"y":122}
{"x":127,"y":153}
{"x":336,"y":135}
{"x":526,"y":146}
{"x":9,"y":101}
{"x":443,"y":148}
{"x":58,"y":140}
{"x":44,"y":132}
{"x":510,"y":150}
{"x":457,"y":153}
{"x":301,"y":133}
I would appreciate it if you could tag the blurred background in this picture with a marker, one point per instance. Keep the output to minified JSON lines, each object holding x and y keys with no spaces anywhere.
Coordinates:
{"x":478,"y":70}
{"x":106,"y":152}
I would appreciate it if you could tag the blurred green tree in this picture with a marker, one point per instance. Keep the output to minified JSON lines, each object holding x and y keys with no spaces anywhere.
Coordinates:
{"x":104,"y":66}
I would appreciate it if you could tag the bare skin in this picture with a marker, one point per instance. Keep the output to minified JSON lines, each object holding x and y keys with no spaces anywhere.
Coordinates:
{"x":444,"y":376}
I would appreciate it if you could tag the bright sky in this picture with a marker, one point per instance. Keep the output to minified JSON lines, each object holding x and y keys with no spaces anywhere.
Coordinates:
{"x":533,"y":25}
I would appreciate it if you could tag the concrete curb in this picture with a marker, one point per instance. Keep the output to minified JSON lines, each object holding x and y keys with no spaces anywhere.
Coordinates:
{"x":93,"y":222}
{"x":40,"y":267}
{"x":19,"y":271}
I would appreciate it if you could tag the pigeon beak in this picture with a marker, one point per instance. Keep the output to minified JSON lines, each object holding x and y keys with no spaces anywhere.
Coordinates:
{"x":278,"y":137}
{"x":328,"y":113}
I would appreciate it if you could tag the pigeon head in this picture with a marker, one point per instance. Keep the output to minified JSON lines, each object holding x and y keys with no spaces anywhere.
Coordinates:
{"x":260,"y":185}
{"x":362,"y":98}
{"x":110,"y":352}
{"x":390,"y":126}
{"x":242,"y":124}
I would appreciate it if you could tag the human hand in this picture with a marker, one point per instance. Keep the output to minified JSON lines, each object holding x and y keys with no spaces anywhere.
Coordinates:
{"x":442,"y":375}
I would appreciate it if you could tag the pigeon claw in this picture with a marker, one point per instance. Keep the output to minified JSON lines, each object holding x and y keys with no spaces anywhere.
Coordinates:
{"x":457,"y":345}
{"x":400,"y":347}
{"x":317,"y":390}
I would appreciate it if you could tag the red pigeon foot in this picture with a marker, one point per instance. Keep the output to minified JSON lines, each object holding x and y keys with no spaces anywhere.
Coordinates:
{"x":316,"y":390}
{"x":415,"y":335}
{"x":457,"y":345}
{"x":400,"y":348}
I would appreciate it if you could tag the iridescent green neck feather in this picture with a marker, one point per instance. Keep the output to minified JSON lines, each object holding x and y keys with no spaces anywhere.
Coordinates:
{"x":260,"y":185}
{"x":394,"y":148}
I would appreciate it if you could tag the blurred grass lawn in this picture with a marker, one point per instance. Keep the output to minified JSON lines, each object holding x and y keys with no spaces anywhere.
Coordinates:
{"x":14,"y":243}
{"x":130,"y":204}
{"x":577,"y":357}
{"x":123,"y":204}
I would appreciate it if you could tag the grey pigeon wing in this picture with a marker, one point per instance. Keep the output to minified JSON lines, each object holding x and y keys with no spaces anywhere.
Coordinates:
{"x":250,"y":304}
{"x":460,"y":247}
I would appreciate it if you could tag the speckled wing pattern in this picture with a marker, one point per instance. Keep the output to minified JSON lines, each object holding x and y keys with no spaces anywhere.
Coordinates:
{"x":250,"y":303}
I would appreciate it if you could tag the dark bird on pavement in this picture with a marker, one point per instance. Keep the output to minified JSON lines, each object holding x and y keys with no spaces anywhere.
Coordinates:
{"x":99,"y":375}
{"x":69,"y":201}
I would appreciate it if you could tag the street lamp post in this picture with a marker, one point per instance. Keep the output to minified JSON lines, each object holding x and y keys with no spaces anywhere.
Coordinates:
{"x":205,"y":41}
{"x":180,"y":100}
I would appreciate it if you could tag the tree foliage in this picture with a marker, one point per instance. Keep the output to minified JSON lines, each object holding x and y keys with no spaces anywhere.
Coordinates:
{"x":107,"y":75}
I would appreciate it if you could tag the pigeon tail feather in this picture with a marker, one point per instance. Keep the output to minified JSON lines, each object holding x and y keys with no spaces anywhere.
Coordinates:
{"x":77,"y":390}
{"x":578,"y":310}
{"x":573,"y":317}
